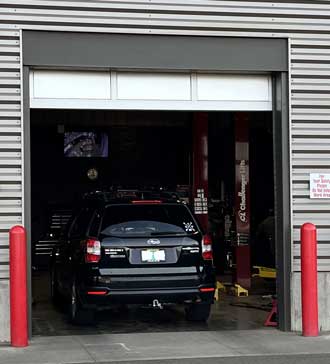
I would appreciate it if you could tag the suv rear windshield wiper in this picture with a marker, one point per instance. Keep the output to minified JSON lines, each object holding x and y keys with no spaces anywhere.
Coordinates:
{"x":168,"y":233}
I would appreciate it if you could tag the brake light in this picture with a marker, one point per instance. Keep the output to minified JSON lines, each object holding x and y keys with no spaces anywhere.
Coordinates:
{"x":204,"y":290}
{"x":152,"y":202}
{"x":96,"y":293}
{"x":93,"y":251}
{"x":207,"y":252}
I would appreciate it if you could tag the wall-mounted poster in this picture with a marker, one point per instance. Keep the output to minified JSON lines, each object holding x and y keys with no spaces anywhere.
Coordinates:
{"x":320,"y":185}
{"x":86,"y":144}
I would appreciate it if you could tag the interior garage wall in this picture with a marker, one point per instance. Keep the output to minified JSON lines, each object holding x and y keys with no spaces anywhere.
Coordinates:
{"x":305,"y":23}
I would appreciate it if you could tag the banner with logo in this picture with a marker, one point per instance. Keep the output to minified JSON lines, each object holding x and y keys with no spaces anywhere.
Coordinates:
{"x":242,"y":186}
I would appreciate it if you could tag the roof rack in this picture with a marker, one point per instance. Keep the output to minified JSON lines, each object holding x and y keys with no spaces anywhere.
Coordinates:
{"x":133,"y":194}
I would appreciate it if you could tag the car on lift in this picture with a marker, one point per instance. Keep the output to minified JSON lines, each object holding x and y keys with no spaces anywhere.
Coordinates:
{"x":133,"y":251}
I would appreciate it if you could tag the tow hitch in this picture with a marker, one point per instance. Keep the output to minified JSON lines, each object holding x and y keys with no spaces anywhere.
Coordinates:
{"x":157,"y":304}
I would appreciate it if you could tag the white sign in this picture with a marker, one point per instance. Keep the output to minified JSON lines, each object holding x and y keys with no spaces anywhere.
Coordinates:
{"x":320,"y":185}
{"x":242,"y":193}
{"x":200,"y":203}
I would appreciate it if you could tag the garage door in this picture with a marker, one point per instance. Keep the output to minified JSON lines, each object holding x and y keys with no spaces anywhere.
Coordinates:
{"x":149,"y":91}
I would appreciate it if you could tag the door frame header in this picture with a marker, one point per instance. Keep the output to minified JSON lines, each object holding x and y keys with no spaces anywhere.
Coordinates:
{"x":134,"y":51}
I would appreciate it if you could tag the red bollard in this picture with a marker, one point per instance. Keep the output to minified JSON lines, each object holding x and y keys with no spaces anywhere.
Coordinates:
{"x":18,"y":287}
{"x":309,"y":297}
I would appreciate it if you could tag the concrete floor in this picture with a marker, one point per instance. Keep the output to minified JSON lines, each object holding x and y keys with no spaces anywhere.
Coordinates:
{"x":230,"y":313}
{"x":238,"y":346}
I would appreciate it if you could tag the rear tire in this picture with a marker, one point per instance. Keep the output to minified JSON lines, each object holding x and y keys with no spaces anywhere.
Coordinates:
{"x":54,"y":292}
{"x":198,"y":312}
{"x":79,"y":315}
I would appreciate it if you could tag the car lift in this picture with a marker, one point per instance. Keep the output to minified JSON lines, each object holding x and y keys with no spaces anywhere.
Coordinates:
{"x":233,"y":289}
{"x":237,"y":290}
{"x":264,"y":272}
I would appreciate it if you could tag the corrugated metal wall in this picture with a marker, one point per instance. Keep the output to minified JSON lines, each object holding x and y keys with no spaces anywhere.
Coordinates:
{"x":310,"y":95}
{"x":10,"y":141}
{"x":306,"y":23}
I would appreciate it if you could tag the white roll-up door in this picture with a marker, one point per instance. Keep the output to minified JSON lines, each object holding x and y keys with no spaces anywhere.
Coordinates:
{"x":149,"y":91}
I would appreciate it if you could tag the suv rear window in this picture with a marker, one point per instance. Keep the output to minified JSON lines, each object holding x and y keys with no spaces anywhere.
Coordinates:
{"x":147,"y":220}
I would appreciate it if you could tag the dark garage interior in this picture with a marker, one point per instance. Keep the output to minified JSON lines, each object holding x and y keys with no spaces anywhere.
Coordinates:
{"x":152,"y":150}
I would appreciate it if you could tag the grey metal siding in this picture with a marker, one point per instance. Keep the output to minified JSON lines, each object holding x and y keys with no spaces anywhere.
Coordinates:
{"x":10,"y":141}
{"x":306,"y":23}
{"x":310,"y":115}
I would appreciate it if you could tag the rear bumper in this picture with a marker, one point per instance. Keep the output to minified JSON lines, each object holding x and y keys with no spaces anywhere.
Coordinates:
{"x":103,"y":296}
{"x":144,"y":285}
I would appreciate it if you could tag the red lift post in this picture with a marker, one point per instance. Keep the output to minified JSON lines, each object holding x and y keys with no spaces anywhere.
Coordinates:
{"x":200,"y":168}
{"x":242,"y":200}
{"x":309,"y":294}
{"x":18,"y":287}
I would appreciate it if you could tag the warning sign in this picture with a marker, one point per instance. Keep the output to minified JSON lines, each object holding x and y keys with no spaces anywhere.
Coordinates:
{"x":320,"y":185}
{"x":200,"y":203}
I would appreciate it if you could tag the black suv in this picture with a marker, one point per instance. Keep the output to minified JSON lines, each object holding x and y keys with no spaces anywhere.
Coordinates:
{"x":133,"y":251}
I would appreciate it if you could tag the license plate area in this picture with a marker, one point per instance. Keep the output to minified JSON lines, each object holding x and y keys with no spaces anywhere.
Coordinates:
{"x":153,"y":256}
